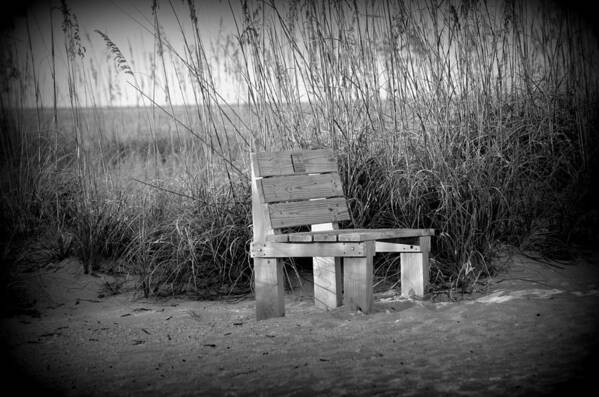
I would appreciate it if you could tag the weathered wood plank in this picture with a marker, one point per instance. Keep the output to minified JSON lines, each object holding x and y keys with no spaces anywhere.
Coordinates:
{"x":291,"y":250}
{"x":279,"y":238}
{"x":303,"y":237}
{"x":270,"y":293}
{"x":301,"y":187}
{"x":296,"y":162}
{"x":425,"y":243}
{"x":357,"y":283}
{"x":356,"y":235}
{"x":298,"y":213}
{"x":324,"y":237}
{"x":380,"y":234}
{"x":414,"y":274}
{"x":328,"y":282}
{"x":328,"y":278}
{"x":299,"y":238}
{"x":260,"y":220}
{"x":382,"y":246}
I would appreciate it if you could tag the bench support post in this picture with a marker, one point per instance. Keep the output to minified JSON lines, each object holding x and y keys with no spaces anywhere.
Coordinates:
{"x":328,"y":279}
{"x":269,"y":287}
{"x":357,"y":281}
{"x":328,"y":282}
{"x":415,"y":270}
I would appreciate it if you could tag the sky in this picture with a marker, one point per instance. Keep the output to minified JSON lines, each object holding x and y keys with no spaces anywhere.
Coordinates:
{"x":129,"y":25}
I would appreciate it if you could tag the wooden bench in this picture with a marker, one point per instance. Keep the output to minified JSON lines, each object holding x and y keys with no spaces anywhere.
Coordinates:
{"x":303,"y":188}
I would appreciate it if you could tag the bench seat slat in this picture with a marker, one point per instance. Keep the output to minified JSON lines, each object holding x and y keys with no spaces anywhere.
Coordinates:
{"x":378,"y":234}
{"x":350,"y":235}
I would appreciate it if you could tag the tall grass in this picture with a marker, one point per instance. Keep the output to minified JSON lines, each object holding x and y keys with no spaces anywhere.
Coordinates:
{"x":476,"y":119}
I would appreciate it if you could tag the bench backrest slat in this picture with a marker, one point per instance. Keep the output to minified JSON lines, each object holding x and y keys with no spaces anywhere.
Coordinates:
{"x":301,"y":187}
{"x":295,"y":163}
{"x":297,"y":213}
{"x":296,"y":188}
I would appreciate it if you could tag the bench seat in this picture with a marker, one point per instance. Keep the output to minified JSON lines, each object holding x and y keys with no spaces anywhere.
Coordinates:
{"x":348,"y":235}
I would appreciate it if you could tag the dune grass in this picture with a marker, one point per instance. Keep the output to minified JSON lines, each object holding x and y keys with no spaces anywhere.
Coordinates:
{"x":476,"y":119}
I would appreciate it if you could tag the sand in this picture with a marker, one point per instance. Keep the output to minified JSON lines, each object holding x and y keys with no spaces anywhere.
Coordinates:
{"x":532,"y":332}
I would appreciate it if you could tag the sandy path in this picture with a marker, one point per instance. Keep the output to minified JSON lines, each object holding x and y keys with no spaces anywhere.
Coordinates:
{"x":533,"y":333}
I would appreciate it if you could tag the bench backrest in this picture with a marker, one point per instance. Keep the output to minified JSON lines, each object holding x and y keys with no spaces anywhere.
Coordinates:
{"x":294,"y":189}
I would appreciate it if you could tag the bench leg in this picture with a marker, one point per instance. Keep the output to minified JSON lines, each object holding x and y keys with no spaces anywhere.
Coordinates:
{"x":414,"y":274}
{"x":328,"y":282}
{"x":269,"y":287}
{"x":415,"y":270}
{"x":357,"y":283}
